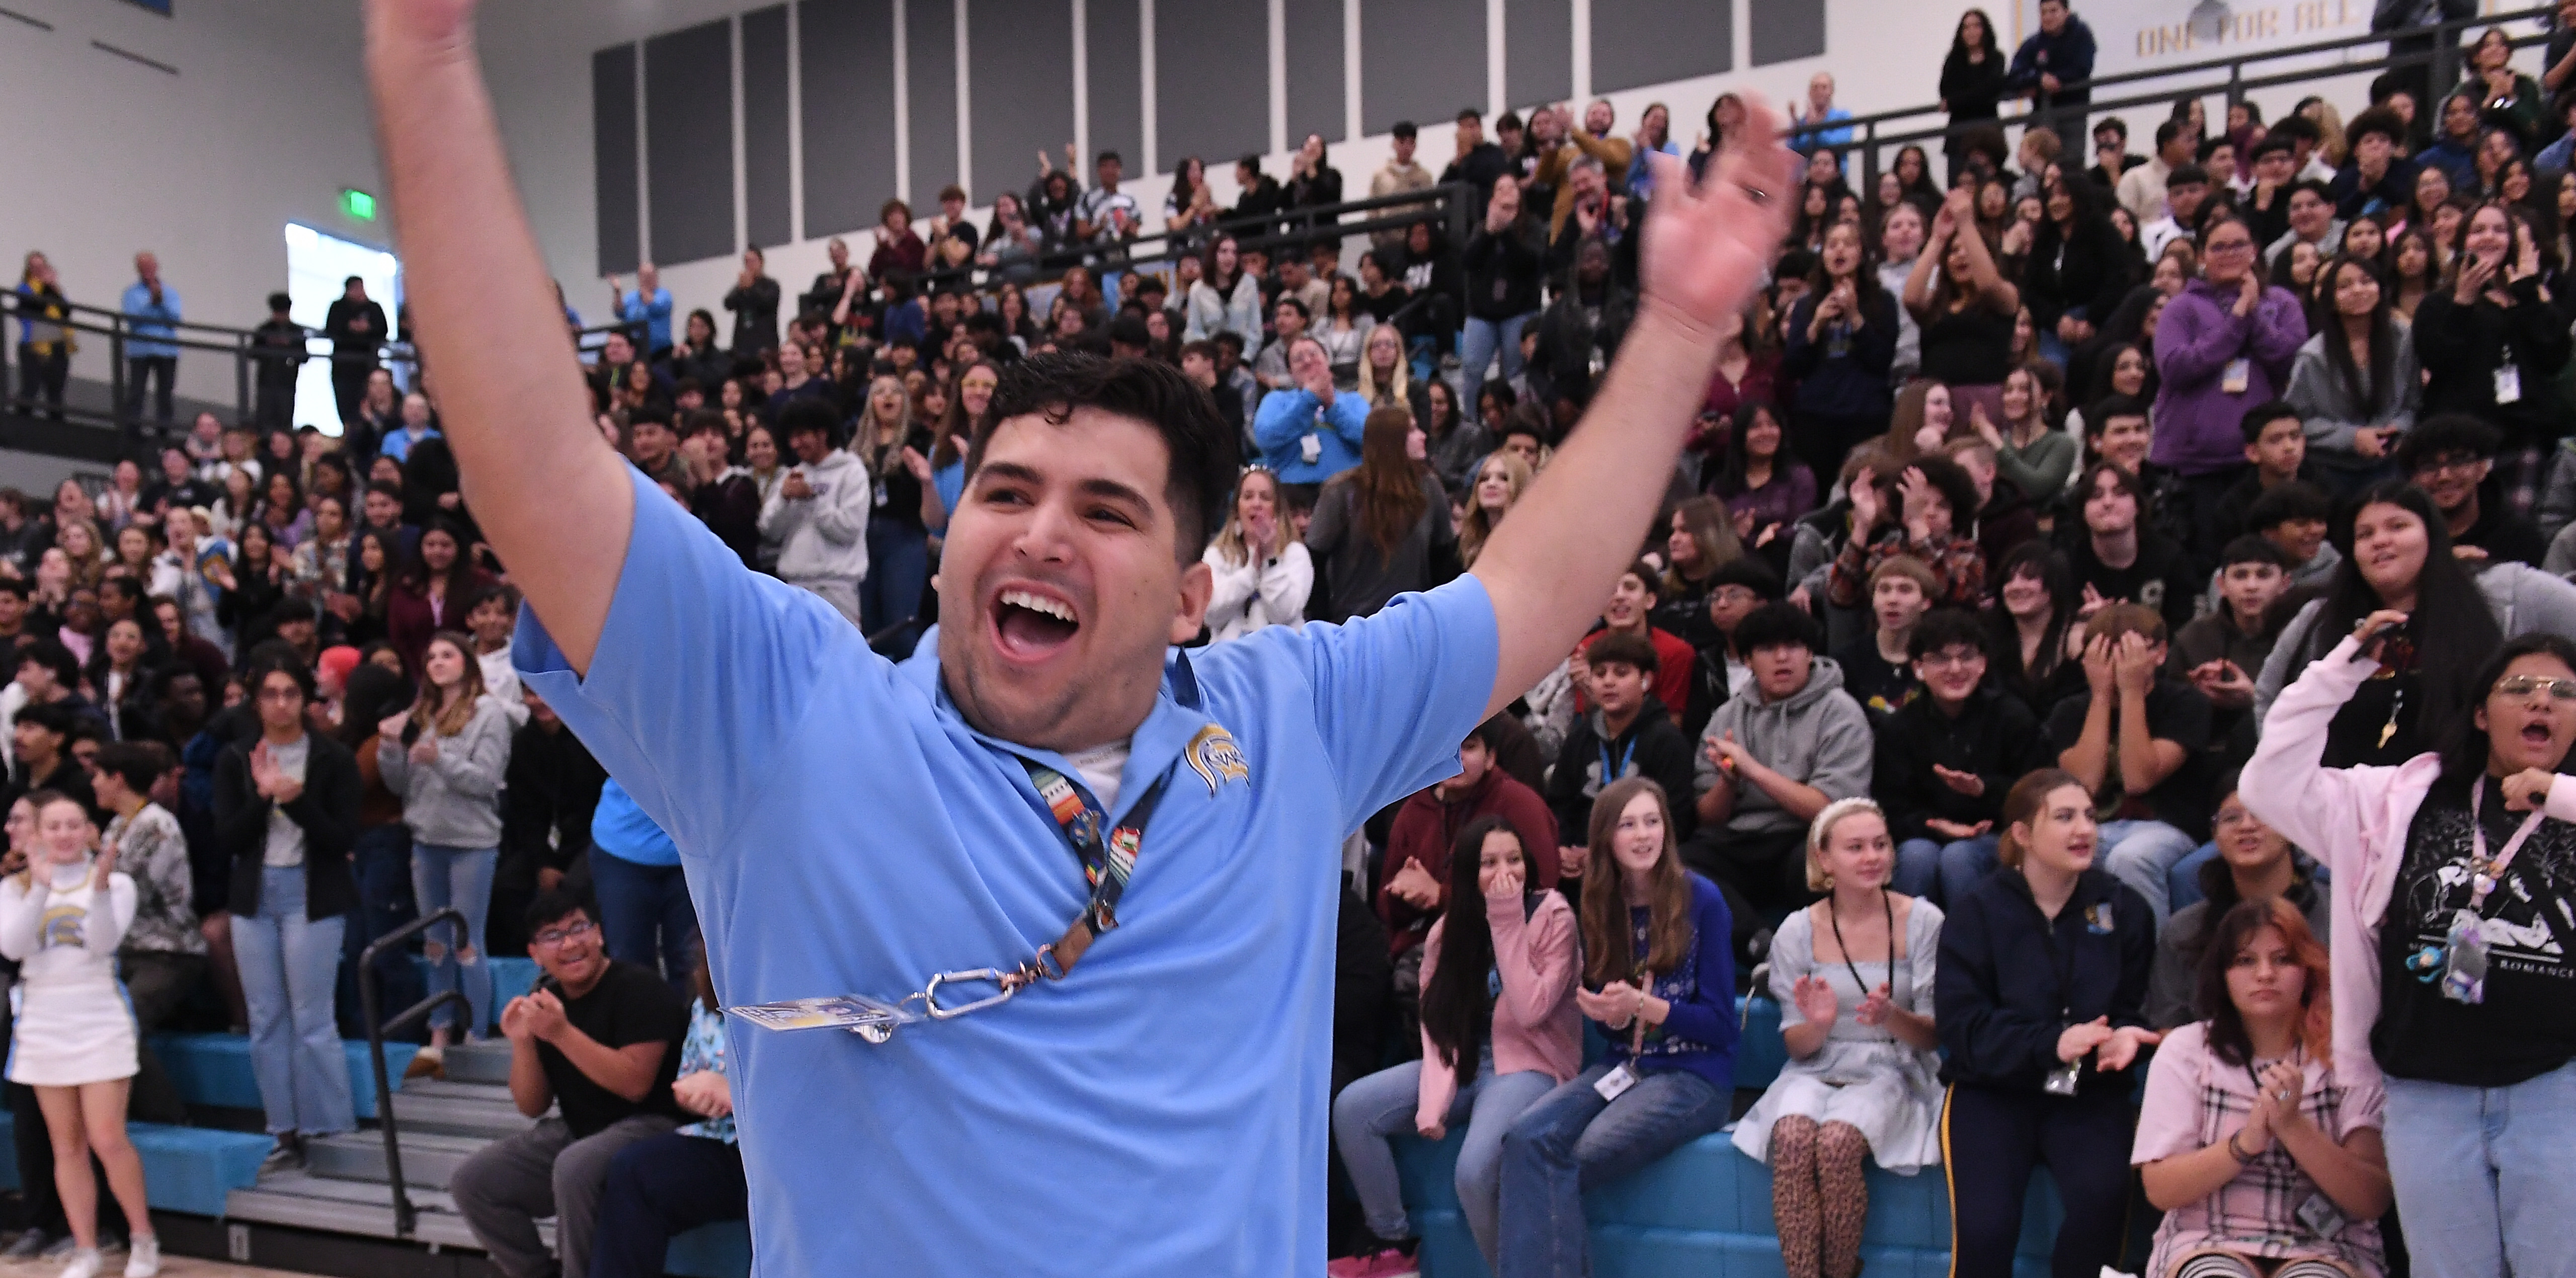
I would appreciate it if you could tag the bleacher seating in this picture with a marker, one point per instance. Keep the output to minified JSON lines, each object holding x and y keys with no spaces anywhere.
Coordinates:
{"x":214,"y":1070}
{"x":187,"y":1169}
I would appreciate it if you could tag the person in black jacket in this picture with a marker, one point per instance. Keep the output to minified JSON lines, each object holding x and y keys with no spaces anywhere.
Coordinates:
{"x":286,"y":807}
{"x":2042,"y":1007}
{"x":1503,"y":260}
{"x":277,"y":348}
{"x":2079,"y":270}
{"x":547,"y":799}
{"x":1946,"y":758}
{"x":1579,"y":335}
{"x":1627,"y":734}
{"x":356,"y":327}
{"x":754,"y":303}
{"x":2492,"y":347}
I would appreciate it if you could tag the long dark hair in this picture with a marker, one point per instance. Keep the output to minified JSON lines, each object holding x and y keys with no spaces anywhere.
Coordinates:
{"x":1457,"y":1010}
{"x":1959,"y":34}
{"x":1386,"y":487}
{"x":2463,"y":744}
{"x":2363,"y":387}
{"x":2033,"y":559}
{"x":2451,"y":619}
{"x":2228,"y":1040}
{"x":373,"y":693}
{"x":1730,"y":480}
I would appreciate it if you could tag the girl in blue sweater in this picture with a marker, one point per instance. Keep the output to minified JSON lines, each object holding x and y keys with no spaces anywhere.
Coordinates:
{"x":1660,"y":978}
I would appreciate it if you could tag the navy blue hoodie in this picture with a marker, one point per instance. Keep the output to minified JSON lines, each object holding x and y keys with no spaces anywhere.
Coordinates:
{"x":2003,"y":997}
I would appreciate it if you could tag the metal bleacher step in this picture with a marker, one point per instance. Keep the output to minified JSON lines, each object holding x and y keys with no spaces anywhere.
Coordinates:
{"x":304,"y":1200}
{"x":479,"y":1110}
{"x":486,"y":1062}
{"x":428,"y":1158}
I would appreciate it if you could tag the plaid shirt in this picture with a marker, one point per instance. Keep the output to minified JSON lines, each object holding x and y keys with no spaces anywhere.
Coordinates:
{"x":2195,"y":1100}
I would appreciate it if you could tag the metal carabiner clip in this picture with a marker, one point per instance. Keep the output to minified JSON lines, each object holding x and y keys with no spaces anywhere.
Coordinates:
{"x":929,"y":996}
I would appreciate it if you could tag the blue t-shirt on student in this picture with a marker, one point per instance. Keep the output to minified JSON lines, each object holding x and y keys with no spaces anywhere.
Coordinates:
{"x":1161,"y":1112}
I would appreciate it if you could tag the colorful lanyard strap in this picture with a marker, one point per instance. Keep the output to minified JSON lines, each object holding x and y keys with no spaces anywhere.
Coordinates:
{"x":2484,"y":873}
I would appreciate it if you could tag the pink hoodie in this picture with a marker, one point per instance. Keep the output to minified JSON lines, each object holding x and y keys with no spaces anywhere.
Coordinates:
{"x":1536,"y":1026}
{"x":2354,"y":820}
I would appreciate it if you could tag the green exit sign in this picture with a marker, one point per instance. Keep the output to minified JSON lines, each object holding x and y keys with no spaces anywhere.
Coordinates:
{"x":358,"y":204}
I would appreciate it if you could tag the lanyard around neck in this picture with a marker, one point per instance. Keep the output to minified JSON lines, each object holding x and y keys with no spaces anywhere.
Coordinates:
{"x":2484,"y":874}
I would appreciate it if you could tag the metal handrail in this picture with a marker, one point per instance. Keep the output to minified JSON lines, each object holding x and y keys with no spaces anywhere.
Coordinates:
{"x":2443,"y":51}
{"x":2231,"y":63}
{"x":405,"y":1217}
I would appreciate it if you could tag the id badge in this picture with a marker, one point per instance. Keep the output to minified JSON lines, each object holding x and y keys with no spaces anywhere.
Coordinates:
{"x":1311,"y":448}
{"x":881,"y":493}
{"x":2464,"y":960}
{"x":1615,"y":1082}
{"x":2508,"y":384}
{"x":2321,"y":1216}
{"x":2239,"y":375}
{"x":2063,"y":1079}
{"x":872,"y":1019}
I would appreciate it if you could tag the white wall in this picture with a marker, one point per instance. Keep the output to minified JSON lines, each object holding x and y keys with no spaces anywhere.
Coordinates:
{"x":264,"y":124}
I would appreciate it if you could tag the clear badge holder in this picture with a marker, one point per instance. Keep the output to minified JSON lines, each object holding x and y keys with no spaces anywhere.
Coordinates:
{"x":870,"y":1018}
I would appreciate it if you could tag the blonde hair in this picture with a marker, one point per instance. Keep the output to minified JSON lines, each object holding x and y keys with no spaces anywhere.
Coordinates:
{"x":1393,"y":394}
{"x":1478,"y":525}
{"x":1229,"y":540}
{"x":1822,"y":829}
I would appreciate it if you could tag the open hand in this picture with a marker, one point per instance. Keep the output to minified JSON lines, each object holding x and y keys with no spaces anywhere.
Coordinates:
{"x":1815,"y":1001}
{"x":1508,"y":884}
{"x":106,"y":865}
{"x":1967,"y":783}
{"x":2099,"y":666}
{"x":2120,"y":1050}
{"x":2078,"y":1040}
{"x":2134,"y":664}
{"x":1709,"y":244}
{"x":1875,"y":1009}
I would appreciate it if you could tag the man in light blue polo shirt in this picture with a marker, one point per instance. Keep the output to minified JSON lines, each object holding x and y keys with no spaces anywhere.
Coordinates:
{"x":151,"y":309}
{"x":852,"y":826}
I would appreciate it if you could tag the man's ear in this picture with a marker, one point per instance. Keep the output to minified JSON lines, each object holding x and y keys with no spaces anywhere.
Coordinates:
{"x":1198,"y":586}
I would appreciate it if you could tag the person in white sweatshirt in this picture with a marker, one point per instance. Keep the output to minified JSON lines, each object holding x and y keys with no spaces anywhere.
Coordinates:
{"x":73,"y":1042}
{"x":819,"y":514}
{"x":1263,"y":574}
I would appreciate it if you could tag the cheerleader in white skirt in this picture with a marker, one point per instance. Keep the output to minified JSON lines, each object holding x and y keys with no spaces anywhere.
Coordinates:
{"x":74,"y":1041}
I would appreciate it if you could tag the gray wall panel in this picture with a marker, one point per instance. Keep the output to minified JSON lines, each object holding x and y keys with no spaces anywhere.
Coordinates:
{"x":1022,"y":81}
{"x":930,"y":39}
{"x":1419,"y":60}
{"x":845,"y":58}
{"x":1538,"y":53}
{"x":1115,"y":78}
{"x":612,"y":146}
{"x":1640,"y":42}
{"x":1314,"y":64}
{"x":688,"y":142}
{"x":765,"y":161}
{"x":1786,"y":30}
{"x":1212,"y":80}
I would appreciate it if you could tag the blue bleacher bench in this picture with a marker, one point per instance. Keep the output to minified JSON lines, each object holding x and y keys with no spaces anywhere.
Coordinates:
{"x":1704,"y":1211}
{"x":188,"y":1169}
{"x":214,"y":1070}
{"x":721,"y":1250}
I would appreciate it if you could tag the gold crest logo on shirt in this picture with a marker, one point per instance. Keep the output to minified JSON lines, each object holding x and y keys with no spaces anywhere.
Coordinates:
{"x":1216,"y":758}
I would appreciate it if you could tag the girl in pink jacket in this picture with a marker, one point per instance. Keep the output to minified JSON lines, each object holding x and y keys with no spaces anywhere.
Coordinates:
{"x":1499,"y":1031}
{"x":2454,"y":942}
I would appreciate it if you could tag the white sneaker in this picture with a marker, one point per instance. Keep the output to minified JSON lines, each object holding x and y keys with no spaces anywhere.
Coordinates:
{"x":143,"y":1259}
{"x":84,"y":1263}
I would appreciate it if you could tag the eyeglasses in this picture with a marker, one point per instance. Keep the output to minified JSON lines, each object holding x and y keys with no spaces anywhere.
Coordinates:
{"x":2525,"y":685}
{"x":2231,"y":246}
{"x":1952,"y":658}
{"x":2447,"y":465}
{"x":554,"y":938}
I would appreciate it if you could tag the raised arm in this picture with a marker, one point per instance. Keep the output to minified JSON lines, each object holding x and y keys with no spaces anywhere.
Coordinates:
{"x":550,"y":495}
{"x":1705,"y":251}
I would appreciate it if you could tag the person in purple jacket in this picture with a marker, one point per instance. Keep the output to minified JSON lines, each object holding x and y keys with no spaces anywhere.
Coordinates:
{"x":1659,"y":976}
{"x":2225,"y":345}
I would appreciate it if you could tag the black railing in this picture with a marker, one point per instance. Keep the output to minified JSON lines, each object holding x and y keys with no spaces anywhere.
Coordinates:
{"x":1869,"y":134}
{"x":405,"y":1217}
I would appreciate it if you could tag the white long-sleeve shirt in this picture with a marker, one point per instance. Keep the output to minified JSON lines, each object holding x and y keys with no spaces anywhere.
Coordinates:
{"x":1255,"y":594}
{"x":58,"y":936}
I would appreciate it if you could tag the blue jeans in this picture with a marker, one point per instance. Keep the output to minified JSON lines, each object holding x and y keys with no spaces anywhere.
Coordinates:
{"x":1478,"y":343}
{"x":382,"y":863}
{"x":290,"y":969}
{"x":645,"y":915}
{"x":1943,"y":872}
{"x":1571,"y":1141}
{"x":2481,"y":1185}
{"x":1383,"y":1104}
{"x":461,"y":877}
{"x":2142,"y":854}
{"x":898,"y":569}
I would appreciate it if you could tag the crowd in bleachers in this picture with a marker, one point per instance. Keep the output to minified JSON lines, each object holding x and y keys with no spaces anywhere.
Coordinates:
{"x":2108,"y":624}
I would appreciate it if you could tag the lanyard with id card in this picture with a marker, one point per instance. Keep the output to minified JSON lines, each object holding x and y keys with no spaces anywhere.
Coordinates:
{"x":2239,"y":376}
{"x":1624,"y":1075}
{"x":2458,"y":966}
{"x":2508,"y":384}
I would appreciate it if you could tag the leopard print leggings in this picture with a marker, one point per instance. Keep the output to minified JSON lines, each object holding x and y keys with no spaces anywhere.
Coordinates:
{"x":1818,"y":1199}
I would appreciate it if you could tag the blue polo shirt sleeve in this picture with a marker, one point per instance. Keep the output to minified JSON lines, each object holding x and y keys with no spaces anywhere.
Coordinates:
{"x":701,"y":675}
{"x":1397,"y":691}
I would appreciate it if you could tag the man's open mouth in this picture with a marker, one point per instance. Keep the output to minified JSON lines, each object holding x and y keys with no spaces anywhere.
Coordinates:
{"x":1030,"y":626}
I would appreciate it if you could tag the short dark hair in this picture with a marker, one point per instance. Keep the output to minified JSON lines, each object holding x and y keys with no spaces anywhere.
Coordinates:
{"x":2113,"y":125}
{"x":1204,"y":452}
{"x":387,"y":487}
{"x":1749,"y":572}
{"x":1470,"y":113}
{"x":1644,"y":570}
{"x":2444,"y":435}
{"x":2293,"y":128}
{"x":281,"y":302}
{"x":49,"y":652}
{"x":275,"y":657}
{"x":1634,"y":651}
{"x":14,"y":586}
{"x":554,"y":905}
{"x":2167,"y":132}
{"x":2379,"y":120}
{"x":1777,"y":623}
{"x":2260,"y":417}
{"x":1228,"y":337}
{"x":2211,"y":146}
{"x":1402,"y":129}
{"x":53,"y":717}
{"x":2098,"y":418}
{"x":807,"y":416}
{"x":1943,"y":628}
{"x":2272,"y":143}
{"x":2250,"y":549}
{"x":2187,"y":173}
{"x":1129,"y":330}
{"x":2312,"y":187}
{"x":1951,"y":479}
{"x":137,"y":763}
{"x":702,"y":422}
